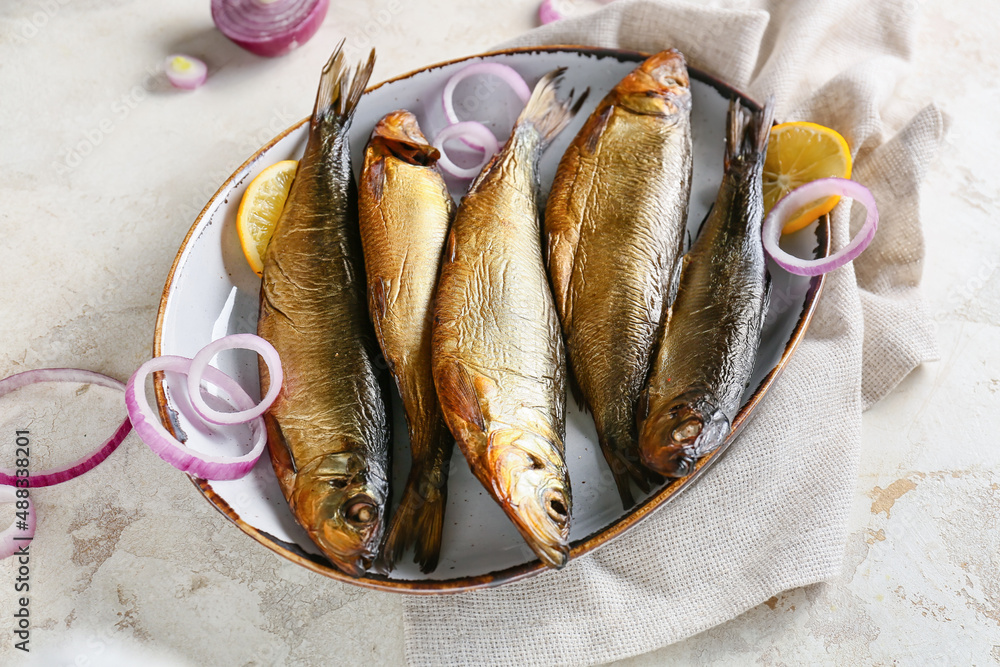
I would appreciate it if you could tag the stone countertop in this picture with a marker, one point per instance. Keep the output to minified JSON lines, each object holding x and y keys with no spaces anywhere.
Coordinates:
{"x":103,"y":170}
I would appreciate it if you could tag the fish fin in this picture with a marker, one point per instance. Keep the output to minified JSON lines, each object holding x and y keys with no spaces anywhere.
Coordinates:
{"x":747,"y":132}
{"x":708,"y":214}
{"x":375,"y":178}
{"x":449,"y":247}
{"x":547,"y":113}
{"x":281,"y":453}
{"x":458,"y":395}
{"x":339,"y":88}
{"x":596,"y":129}
{"x":418,"y":522}
{"x":760,"y":125}
{"x":576,"y":390}
{"x":626,"y":470}
{"x":377,"y":306}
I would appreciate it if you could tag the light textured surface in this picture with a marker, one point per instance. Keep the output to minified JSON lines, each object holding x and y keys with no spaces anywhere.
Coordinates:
{"x":103,"y":170}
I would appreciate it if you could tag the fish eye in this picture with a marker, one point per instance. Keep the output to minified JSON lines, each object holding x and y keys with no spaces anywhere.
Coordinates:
{"x":361,"y":511}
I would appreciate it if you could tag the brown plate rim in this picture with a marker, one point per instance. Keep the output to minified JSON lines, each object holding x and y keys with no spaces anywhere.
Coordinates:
{"x":578,"y":548}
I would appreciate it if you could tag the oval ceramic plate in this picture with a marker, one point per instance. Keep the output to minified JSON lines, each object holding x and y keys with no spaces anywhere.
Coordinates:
{"x":211,"y":292}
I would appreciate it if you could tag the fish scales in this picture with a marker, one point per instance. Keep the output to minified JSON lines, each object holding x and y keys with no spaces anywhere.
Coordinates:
{"x":709,"y":347}
{"x":405,"y":212}
{"x":328,"y":432}
{"x":498,"y":355}
{"x":615,"y":222}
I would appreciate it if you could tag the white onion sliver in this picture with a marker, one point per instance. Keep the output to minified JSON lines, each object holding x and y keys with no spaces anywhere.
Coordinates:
{"x":185,"y":72}
{"x":13,"y":538}
{"x":795,"y":200}
{"x":506,"y":74}
{"x":78,"y":467}
{"x":148,"y":427}
{"x":471,"y":129}
{"x":235,"y":341}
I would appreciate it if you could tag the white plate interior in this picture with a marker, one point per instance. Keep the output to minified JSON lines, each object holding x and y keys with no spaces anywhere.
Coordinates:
{"x":214,"y":293}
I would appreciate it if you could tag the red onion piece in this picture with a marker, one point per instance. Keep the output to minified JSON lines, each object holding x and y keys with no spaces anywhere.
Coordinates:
{"x":85,"y":463}
{"x":185,"y":72}
{"x":269,"y":28}
{"x":235,"y":341}
{"x":794,"y":201}
{"x":506,"y":74}
{"x":473,"y":130}
{"x":148,"y":427}
{"x":550,"y":11}
{"x":547,"y":12}
{"x":13,"y":538}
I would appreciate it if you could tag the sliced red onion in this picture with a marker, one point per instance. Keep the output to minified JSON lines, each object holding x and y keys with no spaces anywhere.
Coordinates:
{"x":506,"y":74}
{"x":235,"y":341}
{"x":14,"y":539}
{"x":466,"y":129}
{"x":547,"y":12}
{"x":789,"y":205}
{"x":148,"y":427}
{"x":185,"y":72}
{"x":78,"y":467}
{"x":551,"y":10}
{"x":269,"y":28}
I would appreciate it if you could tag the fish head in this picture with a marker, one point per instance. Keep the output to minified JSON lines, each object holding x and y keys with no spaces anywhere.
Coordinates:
{"x":532,"y":486}
{"x":659,"y":87}
{"x":341,"y":504}
{"x":678,"y":432}
{"x":399,"y":135}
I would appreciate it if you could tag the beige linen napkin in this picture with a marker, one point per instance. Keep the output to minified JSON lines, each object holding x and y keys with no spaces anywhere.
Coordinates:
{"x":772,"y":514}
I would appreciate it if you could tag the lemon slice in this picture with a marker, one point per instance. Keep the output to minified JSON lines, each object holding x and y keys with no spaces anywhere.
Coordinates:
{"x":798,"y":153}
{"x":260,"y":209}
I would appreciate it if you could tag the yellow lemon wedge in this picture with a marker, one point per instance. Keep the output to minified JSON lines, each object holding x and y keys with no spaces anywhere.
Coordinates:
{"x":260,"y":209}
{"x":798,"y":153}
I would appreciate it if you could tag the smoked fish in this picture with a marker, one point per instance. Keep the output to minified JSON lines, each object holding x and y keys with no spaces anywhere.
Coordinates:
{"x":328,"y":433}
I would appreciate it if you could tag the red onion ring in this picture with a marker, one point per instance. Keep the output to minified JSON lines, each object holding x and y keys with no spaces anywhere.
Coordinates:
{"x":85,"y":463}
{"x":792,"y":203}
{"x":235,"y":341}
{"x":506,"y":74}
{"x":13,"y":539}
{"x":148,"y":427}
{"x":269,"y":28}
{"x":185,"y":72}
{"x":469,"y":128}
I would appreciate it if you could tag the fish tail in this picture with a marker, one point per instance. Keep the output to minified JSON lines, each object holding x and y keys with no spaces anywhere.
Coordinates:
{"x":418,"y":522}
{"x":545,"y":111}
{"x":747,"y":132}
{"x":624,"y":470}
{"x":340,"y":88}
